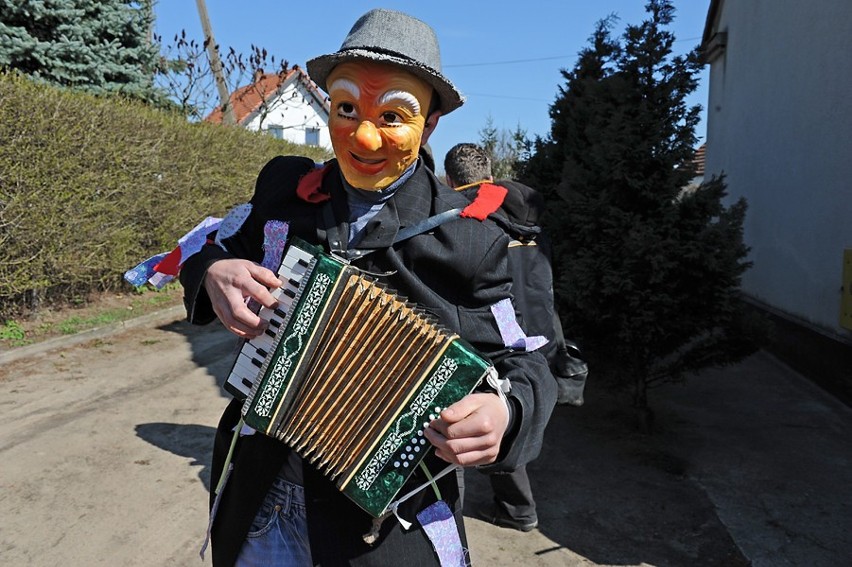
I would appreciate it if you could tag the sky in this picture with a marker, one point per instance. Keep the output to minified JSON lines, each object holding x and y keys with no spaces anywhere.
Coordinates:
{"x":505,"y":57}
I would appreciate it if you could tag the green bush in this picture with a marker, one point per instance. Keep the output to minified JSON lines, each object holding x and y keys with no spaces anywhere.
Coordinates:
{"x":89,"y":186}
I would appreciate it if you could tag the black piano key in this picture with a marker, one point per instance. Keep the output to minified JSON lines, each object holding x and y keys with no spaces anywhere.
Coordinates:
{"x":303,"y":262}
{"x":247,"y":383}
{"x":293,"y":282}
{"x":261,"y":352}
{"x":270,"y":332}
{"x":289,"y":293}
{"x":257,"y":362}
{"x":280,"y":312}
{"x":275,"y":322}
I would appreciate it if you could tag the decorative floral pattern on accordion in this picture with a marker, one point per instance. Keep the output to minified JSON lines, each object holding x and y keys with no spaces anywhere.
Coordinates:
{"x":301,"y":327}
{"x":418,"y":406}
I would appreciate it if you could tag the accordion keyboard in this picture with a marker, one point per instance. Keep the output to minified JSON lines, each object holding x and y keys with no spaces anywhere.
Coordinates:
{"x":246,"y":368}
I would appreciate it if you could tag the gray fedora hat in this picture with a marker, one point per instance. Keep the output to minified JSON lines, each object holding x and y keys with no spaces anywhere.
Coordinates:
{"x":392,"y":37}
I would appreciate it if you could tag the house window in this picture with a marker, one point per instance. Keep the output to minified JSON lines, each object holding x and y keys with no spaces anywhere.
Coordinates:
{"x":276,"y":131}
{"x":312,"y":136}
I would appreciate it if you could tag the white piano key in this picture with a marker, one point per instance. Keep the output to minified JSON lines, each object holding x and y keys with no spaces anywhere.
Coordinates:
{"x":267,"y":314}
{"x":299,"y":255}
{"x":292,"y":268}
{"x":294,"y":263}
{"x":263,"y":341}
{"x":292,"y":271}
{"x":250,"y":361}
{"x":244,"y":368}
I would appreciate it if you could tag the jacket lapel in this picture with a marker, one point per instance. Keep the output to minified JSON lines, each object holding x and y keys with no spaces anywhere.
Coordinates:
{"x":410,"y":204}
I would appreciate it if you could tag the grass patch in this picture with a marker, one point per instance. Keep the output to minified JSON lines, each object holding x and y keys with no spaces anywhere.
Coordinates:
{"x":13,"y":333}
{"x":97,"y":311}
{"x":76,"y":324}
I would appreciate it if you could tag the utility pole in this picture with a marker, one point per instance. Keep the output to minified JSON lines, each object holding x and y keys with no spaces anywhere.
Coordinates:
{"x":216,"y":65}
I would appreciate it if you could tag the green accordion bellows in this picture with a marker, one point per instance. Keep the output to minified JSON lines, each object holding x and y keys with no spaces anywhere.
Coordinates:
{"x":356,"y":375}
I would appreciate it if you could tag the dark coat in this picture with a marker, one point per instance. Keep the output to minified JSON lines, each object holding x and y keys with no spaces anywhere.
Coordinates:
{"x":529,"y":261}
{"x":457,"y":271}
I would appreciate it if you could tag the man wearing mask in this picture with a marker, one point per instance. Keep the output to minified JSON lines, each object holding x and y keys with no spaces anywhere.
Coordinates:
{"x":369,"y":206}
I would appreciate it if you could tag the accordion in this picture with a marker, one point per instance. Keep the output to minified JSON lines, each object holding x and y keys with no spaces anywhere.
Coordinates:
{"x":349,"y":375}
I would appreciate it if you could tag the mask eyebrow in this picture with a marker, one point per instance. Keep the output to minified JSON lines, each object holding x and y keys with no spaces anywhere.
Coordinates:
{"x":404,"y":97}
{"x":345,"y":85}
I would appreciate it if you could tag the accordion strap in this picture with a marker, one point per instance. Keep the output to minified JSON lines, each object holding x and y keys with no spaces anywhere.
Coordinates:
{"x":485,"y":203}
{"x":427,"y":224}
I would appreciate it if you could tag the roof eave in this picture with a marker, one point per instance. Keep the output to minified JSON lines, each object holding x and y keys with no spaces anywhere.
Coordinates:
{"x":713,"y":42}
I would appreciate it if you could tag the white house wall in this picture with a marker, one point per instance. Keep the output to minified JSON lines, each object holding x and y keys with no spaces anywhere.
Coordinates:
{"x":294,"y":114}
{"x":780,"y":127}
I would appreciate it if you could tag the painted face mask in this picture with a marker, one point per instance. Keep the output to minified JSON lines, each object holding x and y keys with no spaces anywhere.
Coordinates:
{"x":377,"y":118}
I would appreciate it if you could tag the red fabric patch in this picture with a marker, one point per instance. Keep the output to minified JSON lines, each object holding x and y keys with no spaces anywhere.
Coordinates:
{"x":310,"y":186}
{"x":488,"y":199}
{"x":170,"y":265}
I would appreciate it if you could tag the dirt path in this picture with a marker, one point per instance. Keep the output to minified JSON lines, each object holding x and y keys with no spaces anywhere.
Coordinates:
{"x":105,"y":445}
{"x":105,"y":448}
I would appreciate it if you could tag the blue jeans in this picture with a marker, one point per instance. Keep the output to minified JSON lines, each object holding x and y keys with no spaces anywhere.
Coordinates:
{"x":279,"y":533}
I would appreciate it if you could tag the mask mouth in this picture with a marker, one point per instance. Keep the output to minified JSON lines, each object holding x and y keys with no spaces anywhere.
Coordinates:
{"x":366,"y":161}
{"x":366,"y":166}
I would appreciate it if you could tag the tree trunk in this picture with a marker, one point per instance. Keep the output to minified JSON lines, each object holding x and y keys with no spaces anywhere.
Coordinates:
{"x":644,"y":414}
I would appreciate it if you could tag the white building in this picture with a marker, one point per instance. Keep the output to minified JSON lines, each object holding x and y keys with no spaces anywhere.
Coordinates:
{"x":287,"y":105}
{"x":779,"y":126}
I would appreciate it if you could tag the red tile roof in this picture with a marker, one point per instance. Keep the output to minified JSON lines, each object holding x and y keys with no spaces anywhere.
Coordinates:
{"x":698,"y":161}
{"x":248,"y":99}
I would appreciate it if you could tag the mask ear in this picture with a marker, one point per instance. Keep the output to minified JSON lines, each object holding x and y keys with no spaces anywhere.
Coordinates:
{"x":429,"y":126}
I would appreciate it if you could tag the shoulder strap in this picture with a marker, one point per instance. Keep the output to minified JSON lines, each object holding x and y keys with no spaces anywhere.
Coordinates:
{"x":428,"y":224}
{"x":487,"y":201}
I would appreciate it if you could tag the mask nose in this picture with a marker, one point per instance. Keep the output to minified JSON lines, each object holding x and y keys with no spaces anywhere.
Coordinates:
{"x":367,"y":136}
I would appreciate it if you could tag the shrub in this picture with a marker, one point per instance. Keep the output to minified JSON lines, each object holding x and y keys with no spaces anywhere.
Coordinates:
{"x":89,"y":186}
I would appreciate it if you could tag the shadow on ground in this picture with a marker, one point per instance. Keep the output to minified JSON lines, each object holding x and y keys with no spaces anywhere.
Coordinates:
{"x":213,"y":347}
{"x":616,"y":496}
{"x":185,"y":440}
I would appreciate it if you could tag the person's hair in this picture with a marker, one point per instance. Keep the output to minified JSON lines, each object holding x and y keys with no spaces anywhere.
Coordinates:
{"x":434,"y":104}
{"x":467,"y":163}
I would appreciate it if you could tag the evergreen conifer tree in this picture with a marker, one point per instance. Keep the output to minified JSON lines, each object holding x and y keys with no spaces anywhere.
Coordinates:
{"x":101,"y":46}
{"x":647,"y":271}
{"x":506,"y":149}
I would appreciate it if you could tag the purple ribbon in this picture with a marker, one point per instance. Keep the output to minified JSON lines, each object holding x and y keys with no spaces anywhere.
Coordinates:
{"x":274,"y":239}
{"x":512,"y":334}
{"x":440,"y":525}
